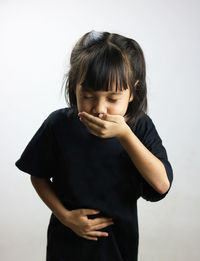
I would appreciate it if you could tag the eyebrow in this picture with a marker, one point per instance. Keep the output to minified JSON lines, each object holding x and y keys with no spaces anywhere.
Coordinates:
{"x":117,"y":93}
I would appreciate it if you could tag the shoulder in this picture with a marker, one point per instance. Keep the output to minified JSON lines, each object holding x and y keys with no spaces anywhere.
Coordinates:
{"x":147,"y":132}
{"x":58,"y":115}
{"x":144,"y":124}
{"x":144,"y":120}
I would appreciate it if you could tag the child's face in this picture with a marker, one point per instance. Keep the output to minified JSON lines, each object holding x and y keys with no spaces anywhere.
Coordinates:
{"x":95,"y":102}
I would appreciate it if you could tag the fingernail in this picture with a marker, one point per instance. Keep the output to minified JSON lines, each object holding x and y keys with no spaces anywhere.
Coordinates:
{"x":100,"y":115}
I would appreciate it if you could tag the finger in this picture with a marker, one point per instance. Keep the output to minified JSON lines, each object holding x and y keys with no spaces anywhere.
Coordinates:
{"x":91,"y":126}
{"x":91,"y":118}
{"x":86,"y":211}
{"x":112,"y":117}
{"x":98,"y":233}
{"x":97,"y":221}
{"x":91,"y":238}
{"x":103,"y":225}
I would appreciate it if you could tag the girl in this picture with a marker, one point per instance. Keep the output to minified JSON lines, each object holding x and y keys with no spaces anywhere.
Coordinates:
{"x":90,"y":162}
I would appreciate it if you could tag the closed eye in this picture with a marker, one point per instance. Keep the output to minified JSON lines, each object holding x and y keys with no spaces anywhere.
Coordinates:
{"x":112,"y":100}
{"x":90,"y":97}
{"x":87,"y":97}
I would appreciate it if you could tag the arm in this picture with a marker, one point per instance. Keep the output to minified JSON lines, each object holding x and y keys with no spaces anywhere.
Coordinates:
{"x":81,"y":225}
{"x":44,"y":189}
{"x":149,"y":166}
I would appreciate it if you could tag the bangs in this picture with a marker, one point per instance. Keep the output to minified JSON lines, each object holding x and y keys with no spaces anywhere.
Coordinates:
{"x":107,"y":69}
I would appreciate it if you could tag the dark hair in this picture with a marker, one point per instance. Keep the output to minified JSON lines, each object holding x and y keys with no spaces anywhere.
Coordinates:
{"x":101,"y":59}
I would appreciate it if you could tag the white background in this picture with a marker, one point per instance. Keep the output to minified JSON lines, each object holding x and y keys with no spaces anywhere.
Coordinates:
{"x":36,"y":40}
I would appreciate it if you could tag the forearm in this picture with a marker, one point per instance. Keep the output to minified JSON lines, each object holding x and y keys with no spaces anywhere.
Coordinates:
{"x":149,"y":166}
{"x":44,"y":189}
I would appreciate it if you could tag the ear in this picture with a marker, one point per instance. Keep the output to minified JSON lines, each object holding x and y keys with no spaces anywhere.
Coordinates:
{"x":131,"y":98}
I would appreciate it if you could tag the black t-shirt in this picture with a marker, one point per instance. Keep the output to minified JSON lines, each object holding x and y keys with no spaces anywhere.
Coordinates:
{"x":96,"y":173}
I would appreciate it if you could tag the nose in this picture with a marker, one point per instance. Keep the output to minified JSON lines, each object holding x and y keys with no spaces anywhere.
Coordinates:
{"x":99,"y":107}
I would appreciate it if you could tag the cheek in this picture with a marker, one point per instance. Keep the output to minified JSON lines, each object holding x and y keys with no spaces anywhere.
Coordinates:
{"x":118,"y":110}
{"x":83,"y":104}
{"x":122,"y":106}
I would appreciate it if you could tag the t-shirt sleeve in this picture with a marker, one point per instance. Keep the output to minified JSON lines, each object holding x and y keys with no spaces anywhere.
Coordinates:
{"x":148,"y":135}
{"x":39,"y":158}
